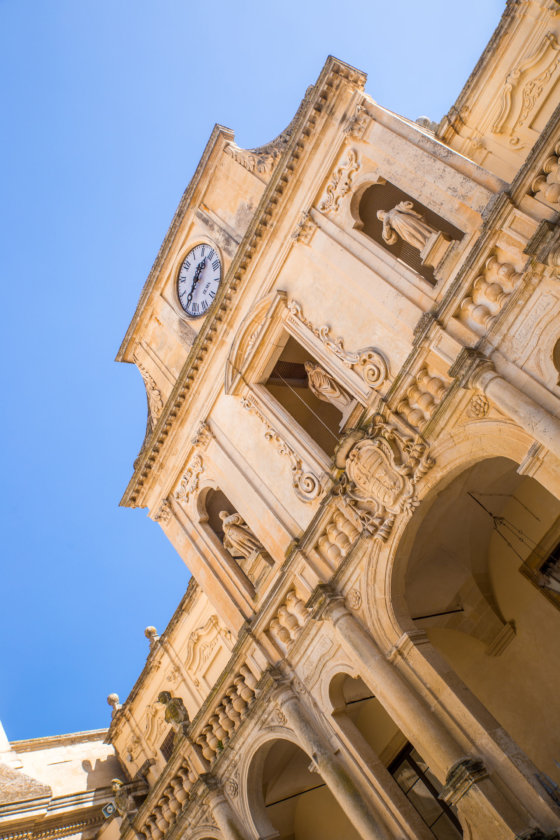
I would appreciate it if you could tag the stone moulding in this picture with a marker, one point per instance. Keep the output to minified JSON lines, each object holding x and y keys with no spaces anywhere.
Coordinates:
{"x":306,"y":485}
{"x":369,"y":363}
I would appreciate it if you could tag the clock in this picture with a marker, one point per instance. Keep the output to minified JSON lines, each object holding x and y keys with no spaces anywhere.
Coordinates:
{"x":198,"y":280}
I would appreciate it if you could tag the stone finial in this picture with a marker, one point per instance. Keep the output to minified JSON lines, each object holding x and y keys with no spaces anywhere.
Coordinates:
{"x":152,"y":635}
{"x":113,"y":701}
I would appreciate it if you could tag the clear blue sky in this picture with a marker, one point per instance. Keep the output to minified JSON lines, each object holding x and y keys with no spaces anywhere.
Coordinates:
{"x":107,"y":106}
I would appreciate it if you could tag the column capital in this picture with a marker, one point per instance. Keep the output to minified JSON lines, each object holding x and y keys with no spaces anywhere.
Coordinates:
{"x":471,"y":368}
{"x":461,"y":777}
{"x":327,"y":602}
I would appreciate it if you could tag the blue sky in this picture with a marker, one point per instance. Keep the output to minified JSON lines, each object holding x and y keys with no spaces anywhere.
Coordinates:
{"x":107,"y":107}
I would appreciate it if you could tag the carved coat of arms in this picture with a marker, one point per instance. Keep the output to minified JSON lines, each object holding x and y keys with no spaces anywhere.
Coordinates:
{"x":382,"y":467}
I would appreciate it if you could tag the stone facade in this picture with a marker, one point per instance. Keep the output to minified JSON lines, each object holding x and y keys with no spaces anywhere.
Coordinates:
{"x":356,"y":452}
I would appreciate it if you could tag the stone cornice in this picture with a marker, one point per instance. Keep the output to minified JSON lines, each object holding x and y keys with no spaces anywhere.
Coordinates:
{"x":50,"y":741}
{"x":287,"y":165}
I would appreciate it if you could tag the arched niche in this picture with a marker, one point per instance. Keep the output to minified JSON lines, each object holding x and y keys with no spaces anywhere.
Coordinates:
{"x":251,"y":559}
{"x":385,"y":196}
{"x":468,"y":582}
{"x":289,"y":800}
{"x":403,"y":780}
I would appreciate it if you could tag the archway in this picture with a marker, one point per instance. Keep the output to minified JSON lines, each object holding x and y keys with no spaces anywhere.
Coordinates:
{"x":403,"y":781}
{"x":474,"y":584}
{"x":290,"y":800}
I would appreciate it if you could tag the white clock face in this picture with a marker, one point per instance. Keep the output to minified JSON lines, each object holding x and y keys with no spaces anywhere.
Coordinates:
{"x":199,"y":279}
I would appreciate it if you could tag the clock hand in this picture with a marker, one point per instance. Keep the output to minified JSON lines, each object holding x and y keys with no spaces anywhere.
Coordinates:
{"x":196,"y":277}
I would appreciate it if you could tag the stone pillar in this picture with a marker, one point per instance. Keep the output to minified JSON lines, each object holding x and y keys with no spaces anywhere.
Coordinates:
{"x":222,"y":810}
{"x":408,"y":710}
{"x":479,"y":373}
{"x":335,"y":775}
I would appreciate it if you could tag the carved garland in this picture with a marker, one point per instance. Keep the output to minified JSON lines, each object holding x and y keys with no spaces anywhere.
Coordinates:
{"x":340,"y":183}
{"x":189,"y":482}
{"x":306,"y":485}
{"x":155,"y":400}
{"x":369,"y":363}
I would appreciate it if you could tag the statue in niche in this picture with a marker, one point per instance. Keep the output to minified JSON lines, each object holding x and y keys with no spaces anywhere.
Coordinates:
{"x":175,"y":711}
{"x":325,"y":388}
{"x":238,"y":537}
{"x":404,"y":222}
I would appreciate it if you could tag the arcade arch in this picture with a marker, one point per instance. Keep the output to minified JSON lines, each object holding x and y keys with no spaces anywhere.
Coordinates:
{"x":468,"y":582}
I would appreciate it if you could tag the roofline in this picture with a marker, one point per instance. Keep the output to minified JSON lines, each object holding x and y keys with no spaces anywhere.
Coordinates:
{"x":31,"y":744}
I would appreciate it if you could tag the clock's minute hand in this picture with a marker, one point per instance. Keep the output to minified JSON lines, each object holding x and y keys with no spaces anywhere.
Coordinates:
{"x":197,"y":274}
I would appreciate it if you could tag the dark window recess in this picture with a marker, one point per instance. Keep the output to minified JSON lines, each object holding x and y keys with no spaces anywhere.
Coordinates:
{"x":385,"y":197}
{"x":551,"y":570}
{"x":421,"y":788}
{"x":166,"y":748}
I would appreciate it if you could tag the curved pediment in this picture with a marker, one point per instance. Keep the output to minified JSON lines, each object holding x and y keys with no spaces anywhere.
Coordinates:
{"x":248,"y":335}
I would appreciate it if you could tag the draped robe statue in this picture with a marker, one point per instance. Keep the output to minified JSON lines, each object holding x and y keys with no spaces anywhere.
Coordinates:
{"x":325,"y":388}
{"x":404,"y":222}
{"x":238,"y":537}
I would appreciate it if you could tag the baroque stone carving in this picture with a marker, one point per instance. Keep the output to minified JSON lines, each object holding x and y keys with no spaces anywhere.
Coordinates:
{"x":546,"y":185}
{"x":201,"y":644}
{"x":164,"y":513}
{"x":358,"y":123}
{"x":488,"y":295}
{"x":290,"y":617}
{"x":114,"y":701}
{"x":155,"y":400}
{"x":531,"y":90}
{"x":239,"y":540}
{"x":478,"y":406}
{"x":306,"y":485}
{"x":339,"y":535}
{"x":354,"y":599}
{"x":124,"y":802}
{"x":382,"y":469}
{"x":325,"y":388}
{"x":152,"y":635}
{"x":462,"y":776}
{"x":232,"y":788}
{"x":405,"y":223}
{"x":304,"y":229}
{"x":340,"y":183}
{"x":175,"y":712}
{"x":203,"y":435}
{"x":369,"y":363}
{"x":189,"y":481}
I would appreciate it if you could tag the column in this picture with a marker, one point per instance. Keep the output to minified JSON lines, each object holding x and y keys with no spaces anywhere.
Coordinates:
{"x":222,"y":810}
{"x":476,"y":371}
{"x":337,"y":778}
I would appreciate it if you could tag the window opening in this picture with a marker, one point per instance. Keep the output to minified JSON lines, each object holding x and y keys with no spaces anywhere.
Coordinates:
{"x":310,"y":395}
{"x":422,"y":789}
{"x":166,"y":748}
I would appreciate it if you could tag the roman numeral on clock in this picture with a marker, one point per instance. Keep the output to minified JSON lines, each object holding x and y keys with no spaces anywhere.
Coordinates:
{"x":216,"y":264}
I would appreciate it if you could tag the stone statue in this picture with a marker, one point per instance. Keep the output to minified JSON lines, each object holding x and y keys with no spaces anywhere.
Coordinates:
{"x":175,"y":711}
{"x":238,"y":538}
{"x":325,"y":388}
{"x":404,"y":222}
{"x":124,"y":802}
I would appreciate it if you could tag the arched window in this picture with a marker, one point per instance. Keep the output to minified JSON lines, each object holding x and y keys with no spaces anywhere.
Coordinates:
{"x":385,"y":196}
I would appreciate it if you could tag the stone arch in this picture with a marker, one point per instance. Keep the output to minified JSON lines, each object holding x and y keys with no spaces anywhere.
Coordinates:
{"x":404,"y":787}
{"x":385,"y":609}
{"x":288,"y":798}
{"x":456,"y":583}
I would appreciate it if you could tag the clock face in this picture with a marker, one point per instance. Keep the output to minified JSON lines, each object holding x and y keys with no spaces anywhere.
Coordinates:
{"x":199,"y":279}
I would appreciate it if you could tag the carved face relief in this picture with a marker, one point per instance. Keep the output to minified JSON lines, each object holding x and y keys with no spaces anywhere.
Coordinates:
{"x":374,"y":477}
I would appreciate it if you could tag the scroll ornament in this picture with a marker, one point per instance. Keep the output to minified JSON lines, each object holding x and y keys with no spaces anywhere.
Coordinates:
{"x":382,"y":467}
{"x":369,"y":363}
